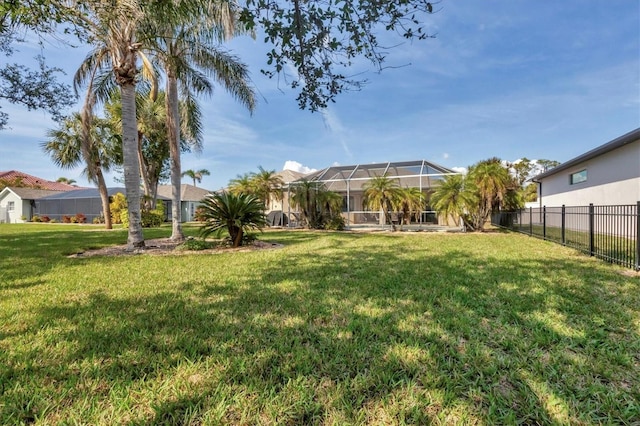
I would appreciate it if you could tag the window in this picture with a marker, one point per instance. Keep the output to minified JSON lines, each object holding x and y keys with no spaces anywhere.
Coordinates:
{"x":578,"y":177}
{"x":11,"y":206}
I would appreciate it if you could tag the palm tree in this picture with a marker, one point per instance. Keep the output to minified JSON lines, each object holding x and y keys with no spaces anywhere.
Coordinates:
{"x":453,"y":197}
{"x":187,"y":49}
{"x":196,"y":175}
{"x":305,"y":197}
{"x":68,"y":181}
{"x":265,"y":184}
{"x":236,"y":214}
{"x":242,"y":184}
{"x":411,"y":201}
{"x":65,"y":148}
{"x":381,"y":193}
{"x":114,"y":29}
{"x":492,"y":181}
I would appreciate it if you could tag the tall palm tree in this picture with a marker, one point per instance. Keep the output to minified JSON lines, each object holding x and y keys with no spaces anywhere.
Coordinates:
{"x":187,"y":35}
{"x":113,"y":29}
{"x":381,"y":193}
{"x":196,"y":175}
{"x":266,"y":183}
{"x":65,"y":149}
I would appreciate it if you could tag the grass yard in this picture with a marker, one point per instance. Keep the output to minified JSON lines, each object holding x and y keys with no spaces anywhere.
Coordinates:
{"x":332,"y":329}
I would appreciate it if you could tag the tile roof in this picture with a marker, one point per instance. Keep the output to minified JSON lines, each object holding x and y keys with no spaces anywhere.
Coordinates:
{"x":34,"y":182}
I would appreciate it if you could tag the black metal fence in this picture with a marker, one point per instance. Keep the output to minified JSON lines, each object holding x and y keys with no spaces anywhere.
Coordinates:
{"x":611,"y":233}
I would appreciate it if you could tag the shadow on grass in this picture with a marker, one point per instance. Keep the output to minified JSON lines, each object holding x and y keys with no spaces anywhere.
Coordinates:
{"x":356,"y":336}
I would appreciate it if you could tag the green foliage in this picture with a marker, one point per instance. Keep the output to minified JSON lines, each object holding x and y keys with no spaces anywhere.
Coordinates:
{"x":117,"y":206}
{"x":322,"y":39}
{"x":335,"y":222}
{"x":196,"y":244}
{"x":36,"y":218}
{"x":153,"y":218}
{"x":232,"y":213}
{"x":382,"y":194}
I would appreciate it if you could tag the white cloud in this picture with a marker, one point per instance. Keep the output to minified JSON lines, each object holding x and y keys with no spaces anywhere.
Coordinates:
{"x":462,"y":170}
{"x":445,"y":155}
{"x":297,"y":167}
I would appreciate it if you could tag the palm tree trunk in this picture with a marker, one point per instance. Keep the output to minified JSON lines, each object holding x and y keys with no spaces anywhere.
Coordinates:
{"x":104,"y":197}
{"x":173,"y":132}
{"x":135,"y":238}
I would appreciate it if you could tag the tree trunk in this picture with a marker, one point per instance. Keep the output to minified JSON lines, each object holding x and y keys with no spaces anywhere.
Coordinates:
{"x":104,"y":197}
{"x":173,"y":132}
{"x":130,"y":164}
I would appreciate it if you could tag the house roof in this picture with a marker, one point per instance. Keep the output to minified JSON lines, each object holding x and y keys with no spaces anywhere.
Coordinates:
{"x":187,"y":192}
{"x":618,"y":142}
{"x":87,"y":193}
{"x":30,"y":193}
{"x":289,"y":175}
{"x":35,"y":182}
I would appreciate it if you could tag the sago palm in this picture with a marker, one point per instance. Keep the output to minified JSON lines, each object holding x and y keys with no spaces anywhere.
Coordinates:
{"x":233,"y":213}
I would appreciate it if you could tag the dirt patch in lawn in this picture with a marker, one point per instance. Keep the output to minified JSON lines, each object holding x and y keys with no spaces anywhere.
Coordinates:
{"x":165,"y":247}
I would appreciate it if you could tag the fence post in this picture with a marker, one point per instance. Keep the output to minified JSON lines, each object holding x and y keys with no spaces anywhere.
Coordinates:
{"x":638,"y":236}
{"x":564,"y":241}
{"x":530,"y":220}
{"x":544,"y":222}
{"x":591,"y":214}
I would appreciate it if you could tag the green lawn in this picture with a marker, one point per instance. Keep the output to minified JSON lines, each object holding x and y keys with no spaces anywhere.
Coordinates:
{"x":332,"y":329}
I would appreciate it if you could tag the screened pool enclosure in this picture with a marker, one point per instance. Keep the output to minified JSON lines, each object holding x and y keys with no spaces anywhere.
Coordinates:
{"x":351,"y":181}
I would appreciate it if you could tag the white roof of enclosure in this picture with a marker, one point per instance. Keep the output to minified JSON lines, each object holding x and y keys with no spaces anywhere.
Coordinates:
{"x":417,"y":174}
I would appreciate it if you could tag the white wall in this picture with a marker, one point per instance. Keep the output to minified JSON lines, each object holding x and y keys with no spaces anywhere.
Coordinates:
{"x":612,"y":178}
{"x":20,"y":208}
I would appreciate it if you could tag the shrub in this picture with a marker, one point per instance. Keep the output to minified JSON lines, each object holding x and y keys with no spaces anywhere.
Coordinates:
{"x":80,"y":218}
{"x":234,"y":213}
{"x":196,"y":244}
{"x":53,"y":221}
{"x":98,"y":219}
{"x":335,"y":223}
{"x":148,"y":219}
{"x":44,"y":218}
{"x":117,"y":206}
{"x":36,"y":219}
{"x":66,"y":219}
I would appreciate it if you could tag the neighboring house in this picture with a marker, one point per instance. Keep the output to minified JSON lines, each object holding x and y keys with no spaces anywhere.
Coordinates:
{"x":606,"y":175}
{"x":190,"y":197}
{"x":17,"y":204}
{"x":350,"y":182}
{"x":85,"y":201}
{"x":29,"y":181}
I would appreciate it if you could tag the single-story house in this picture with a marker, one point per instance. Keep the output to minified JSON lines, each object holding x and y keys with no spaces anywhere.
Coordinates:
{"x":190,"y":197}
{"x":17,"y":204}
{"x":85,"y":201}
{"x":350,"y":182}
{"x":606,"y":175}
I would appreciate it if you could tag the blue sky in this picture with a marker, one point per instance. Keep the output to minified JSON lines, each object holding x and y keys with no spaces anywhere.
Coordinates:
{"x":502,"y":78}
